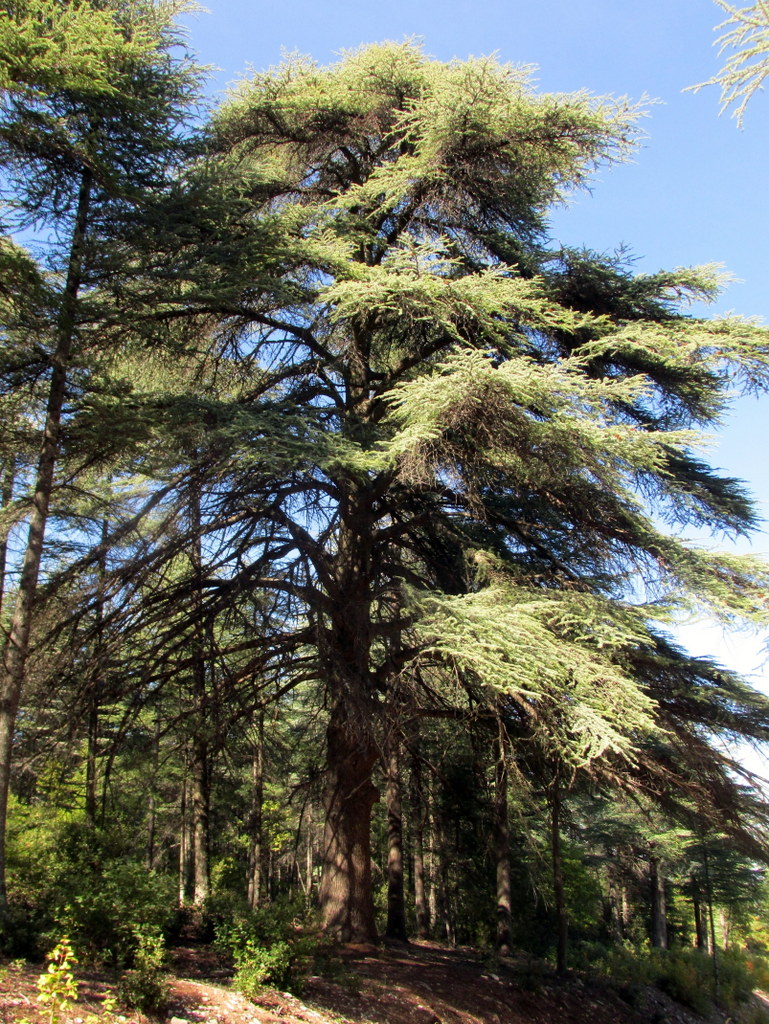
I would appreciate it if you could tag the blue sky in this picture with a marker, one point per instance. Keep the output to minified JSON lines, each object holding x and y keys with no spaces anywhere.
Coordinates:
{"x":694,"y":193}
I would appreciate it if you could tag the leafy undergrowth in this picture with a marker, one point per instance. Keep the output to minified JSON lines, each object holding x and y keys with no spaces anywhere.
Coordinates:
{"x":422,"y":983}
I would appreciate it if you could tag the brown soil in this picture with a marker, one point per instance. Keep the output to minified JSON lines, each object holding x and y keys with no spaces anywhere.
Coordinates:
{"x":422,"y":983}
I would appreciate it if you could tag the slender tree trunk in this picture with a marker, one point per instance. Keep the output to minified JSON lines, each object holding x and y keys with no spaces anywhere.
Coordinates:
{"x":615,"y":921}
{"x":445,"y":910}
{"x":201,"y":810}
{"x":437,"y":919}
{"x":713,"y":946}
{"x":16,"y":648}
{"x":149,"y":855}
{"x":152,"y":796}
{"x":700,"y":928}
{"x":200,"y":766}
{"x":396,"y":907}
{"x":502,"y":849}
{"x":309,"y":854}
{"x":562,"y":920}
{"x":346,"y":898}
{"x":95,"y":686}
{"x":6,"y":497}
{"x":439,"y":890}
{"x":92,"y":745}
{"x":418,"y":822}
{"x":659,"y":914}
{"x":625,"y":912}
{"x":256,"y":873}
{"x":186,"y":847}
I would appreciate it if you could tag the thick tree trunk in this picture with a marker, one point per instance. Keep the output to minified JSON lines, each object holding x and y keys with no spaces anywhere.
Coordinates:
{"x":562,"y":921}
{"x":659,"y":915}
{"x":502,"y":850}
{"x":396,"y":907}
{"x":16,"y":648}
{"x":346,"y":898}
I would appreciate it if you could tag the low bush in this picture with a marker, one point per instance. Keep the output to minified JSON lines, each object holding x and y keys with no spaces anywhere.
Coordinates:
{"x":70,"y":878}
{"x":687,"y":975}
{"x":270,"y":946}
{"x":144,"y":986}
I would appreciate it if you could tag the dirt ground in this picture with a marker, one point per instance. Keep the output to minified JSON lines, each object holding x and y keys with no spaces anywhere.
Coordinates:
{"x":421,"y":983}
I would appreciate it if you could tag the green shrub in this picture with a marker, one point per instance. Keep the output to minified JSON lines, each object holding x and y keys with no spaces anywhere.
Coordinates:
{"x":687,"y":977}
{"x":144,"y":986}
{"x":738,"y":974}
{"x":256,"y":966}
{"x":70,"y":878}
{"x":105,"y":907}
{"x":269,"y":946}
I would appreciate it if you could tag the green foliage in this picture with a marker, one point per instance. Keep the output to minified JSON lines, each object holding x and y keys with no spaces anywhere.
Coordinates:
{"x":269,"y":946}
{"x":144,"y":986}
{"x":687,"y":975}
{"x":256,"y":967}
{"x":747,"y":66}
{"x":57,"y":987}
{"x":104,"y":905}
{"x":74,"y":878}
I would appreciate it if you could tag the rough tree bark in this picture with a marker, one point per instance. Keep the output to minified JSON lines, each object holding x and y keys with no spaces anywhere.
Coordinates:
{"x":346,"y":902}
{"x":346,"y":896}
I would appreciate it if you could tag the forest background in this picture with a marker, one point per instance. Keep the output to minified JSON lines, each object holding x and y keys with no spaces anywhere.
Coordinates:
{"x":659,"y":223}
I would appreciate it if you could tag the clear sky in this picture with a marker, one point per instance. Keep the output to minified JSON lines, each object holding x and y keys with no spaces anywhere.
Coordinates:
{"x":695,"y":193}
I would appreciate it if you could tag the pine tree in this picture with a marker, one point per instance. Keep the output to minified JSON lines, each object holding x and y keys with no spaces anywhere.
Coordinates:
{"x":430,"y":445}
{"x":93,"y":104}
{"x":449,"y":436}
